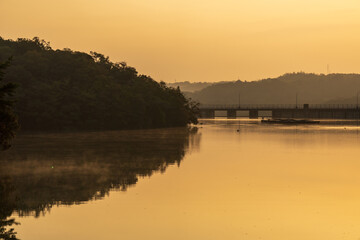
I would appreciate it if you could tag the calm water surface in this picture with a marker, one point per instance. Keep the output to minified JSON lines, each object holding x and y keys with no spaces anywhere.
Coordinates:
{"x":224,"y":180}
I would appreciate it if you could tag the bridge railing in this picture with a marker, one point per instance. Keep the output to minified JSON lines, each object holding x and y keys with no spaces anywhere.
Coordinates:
{"x":333,"y":106}
{"x":248,"y":106}
{"x":275,"y":106}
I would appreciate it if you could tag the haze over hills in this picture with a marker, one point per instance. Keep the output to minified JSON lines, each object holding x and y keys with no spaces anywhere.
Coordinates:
{"x":192,"y":86}
{"x":310,"y":88}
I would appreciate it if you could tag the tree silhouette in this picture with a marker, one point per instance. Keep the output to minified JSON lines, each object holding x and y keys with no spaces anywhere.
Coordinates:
{"x":70,"y":90}
{"x":8,"y":120}
{"x":7,"y":232}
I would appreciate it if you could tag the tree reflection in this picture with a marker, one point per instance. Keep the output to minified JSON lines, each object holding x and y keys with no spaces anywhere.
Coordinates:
{"x":6,"y":207}
{"x":65,"y":169}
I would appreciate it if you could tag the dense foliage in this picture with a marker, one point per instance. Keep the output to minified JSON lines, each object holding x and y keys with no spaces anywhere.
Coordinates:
{"x":65,"y":89}
{"x":8,"y":120}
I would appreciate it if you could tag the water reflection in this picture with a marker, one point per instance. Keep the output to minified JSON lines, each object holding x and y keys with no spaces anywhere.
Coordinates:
{"x":44,"y":170}
{"x":6,"y":205}
{"x":261,"y":182}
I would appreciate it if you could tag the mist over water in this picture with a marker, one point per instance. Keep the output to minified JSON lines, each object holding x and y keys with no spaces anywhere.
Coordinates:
{"x":228,"y":179}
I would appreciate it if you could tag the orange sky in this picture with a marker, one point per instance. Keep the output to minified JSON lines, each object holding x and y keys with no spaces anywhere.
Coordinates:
{"x":198,"y":40}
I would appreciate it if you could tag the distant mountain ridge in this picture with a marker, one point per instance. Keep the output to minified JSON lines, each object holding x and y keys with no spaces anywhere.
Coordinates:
{"x":192,"y":87}
{"x":310,"y":88}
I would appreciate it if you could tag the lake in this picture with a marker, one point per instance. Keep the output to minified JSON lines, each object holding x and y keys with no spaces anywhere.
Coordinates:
{"x":225,"y":179}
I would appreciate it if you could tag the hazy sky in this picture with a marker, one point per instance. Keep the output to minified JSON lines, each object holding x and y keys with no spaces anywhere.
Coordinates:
{"x":198,"y":40}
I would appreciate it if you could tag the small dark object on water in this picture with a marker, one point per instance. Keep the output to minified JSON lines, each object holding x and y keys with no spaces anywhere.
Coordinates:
{"x":290,"y":121}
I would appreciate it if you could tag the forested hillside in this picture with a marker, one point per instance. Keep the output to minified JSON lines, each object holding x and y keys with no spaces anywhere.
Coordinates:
{"x":310,"y":88}
{"x":65,"y":89}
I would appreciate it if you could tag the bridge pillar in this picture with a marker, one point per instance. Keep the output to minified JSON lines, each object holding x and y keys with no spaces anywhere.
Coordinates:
{"x":231,"y":113}
{"x":207,"y":113}
{"x":276,"y":113}
{"x":253,"y":114}
{"x":299,"y":113}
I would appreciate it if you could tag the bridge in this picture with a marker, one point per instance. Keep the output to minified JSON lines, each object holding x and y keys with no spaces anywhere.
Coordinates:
{"x":305,"y":111}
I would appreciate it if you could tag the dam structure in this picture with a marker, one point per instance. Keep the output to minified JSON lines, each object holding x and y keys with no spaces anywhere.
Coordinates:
{"x":305,"y":111}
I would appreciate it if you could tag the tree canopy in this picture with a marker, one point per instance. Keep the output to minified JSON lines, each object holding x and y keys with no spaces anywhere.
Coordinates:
{"x":8,"y":120}
{"x":65,"y":89}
